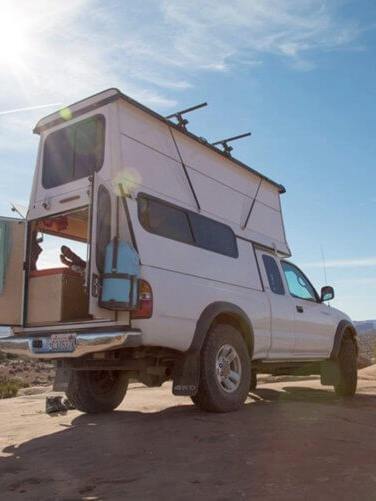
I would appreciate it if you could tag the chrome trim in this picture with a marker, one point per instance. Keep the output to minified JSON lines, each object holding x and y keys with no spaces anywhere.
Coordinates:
{"x":85,"y":344}
{"x":69,"y":326}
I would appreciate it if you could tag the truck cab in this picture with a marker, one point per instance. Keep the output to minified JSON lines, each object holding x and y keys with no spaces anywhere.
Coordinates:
{"x":149,"y":253}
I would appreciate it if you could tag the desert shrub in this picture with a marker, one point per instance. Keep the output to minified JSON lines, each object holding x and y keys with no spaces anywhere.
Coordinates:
{"x":7,"y":356}
{"x":9,"y":387}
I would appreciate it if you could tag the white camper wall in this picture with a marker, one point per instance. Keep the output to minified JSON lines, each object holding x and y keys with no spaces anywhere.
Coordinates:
{"x":226,"y":191}
{"x":141,"y":152}
{"x":186,"y":279}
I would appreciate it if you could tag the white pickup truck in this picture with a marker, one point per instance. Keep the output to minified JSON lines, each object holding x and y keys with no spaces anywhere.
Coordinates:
{"x":149,"y":253}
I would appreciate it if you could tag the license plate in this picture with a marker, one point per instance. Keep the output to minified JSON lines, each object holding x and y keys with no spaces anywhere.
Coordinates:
{"x":62,"y":342}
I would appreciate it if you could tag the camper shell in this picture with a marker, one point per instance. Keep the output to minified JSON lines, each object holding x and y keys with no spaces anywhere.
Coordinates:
{"x":143,"y":154}
{"x":159,"y":234}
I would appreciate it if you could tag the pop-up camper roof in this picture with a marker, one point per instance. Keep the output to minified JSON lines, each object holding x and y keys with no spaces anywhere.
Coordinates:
{"x":176,"y":165}
{"x":110,"y":95}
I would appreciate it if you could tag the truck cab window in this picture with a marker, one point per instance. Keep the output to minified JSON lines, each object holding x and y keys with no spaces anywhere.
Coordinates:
{"x":273,"y":274}
{"x":74,"y":152}
{"x":298,"y":284}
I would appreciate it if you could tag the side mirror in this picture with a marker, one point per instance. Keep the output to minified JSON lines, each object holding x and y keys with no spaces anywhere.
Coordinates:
{"x":327,"y":293}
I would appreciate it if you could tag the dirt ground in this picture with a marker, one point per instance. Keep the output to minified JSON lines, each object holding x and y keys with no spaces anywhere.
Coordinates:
{"x":292,"y":440}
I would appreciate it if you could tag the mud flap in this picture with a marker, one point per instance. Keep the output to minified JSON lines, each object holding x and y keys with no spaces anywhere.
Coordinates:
{"x":186,"y":375}
{"x":330,"y":374}
{"x":62,"y":378}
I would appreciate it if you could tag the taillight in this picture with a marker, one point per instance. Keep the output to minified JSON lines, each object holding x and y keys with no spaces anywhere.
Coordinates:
{"x":145,"y":301}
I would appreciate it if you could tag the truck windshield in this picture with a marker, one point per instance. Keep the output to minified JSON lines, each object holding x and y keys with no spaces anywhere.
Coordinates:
{"x":74,"y":152}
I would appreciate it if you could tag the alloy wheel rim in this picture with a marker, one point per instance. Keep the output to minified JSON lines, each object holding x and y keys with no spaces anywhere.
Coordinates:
{"x":228,"y":368}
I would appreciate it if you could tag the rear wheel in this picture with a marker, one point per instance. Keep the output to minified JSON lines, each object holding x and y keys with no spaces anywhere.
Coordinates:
{"x":347,"y":366}
{"x":97,"y":391}
{"x":225,"y":371}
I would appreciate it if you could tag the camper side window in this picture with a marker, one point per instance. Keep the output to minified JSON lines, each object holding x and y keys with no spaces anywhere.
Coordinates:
{"x":213,"y":236}
{"x":73,"y":152}
{"x":165,"y":220}
{"x":103,"y":225}
{"x":179,"y":224}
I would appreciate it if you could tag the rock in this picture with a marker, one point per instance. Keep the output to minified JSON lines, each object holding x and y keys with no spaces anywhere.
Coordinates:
{"x":33,"y":390}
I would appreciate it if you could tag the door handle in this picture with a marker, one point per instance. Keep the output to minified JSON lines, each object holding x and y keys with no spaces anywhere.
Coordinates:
{"x":299,"y":309}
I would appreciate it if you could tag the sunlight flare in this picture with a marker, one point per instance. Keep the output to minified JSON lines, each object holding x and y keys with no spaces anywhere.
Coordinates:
{"x":15,"y":37}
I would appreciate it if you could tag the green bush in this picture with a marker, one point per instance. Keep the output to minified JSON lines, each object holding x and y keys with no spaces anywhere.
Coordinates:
{"x":9,"y":387}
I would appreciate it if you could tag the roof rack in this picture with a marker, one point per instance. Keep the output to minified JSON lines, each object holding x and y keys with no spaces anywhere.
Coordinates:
{"x":227,"y":149}
{"x":183,"y":122}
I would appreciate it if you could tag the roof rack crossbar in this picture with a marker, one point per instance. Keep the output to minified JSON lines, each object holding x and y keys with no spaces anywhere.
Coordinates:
{"x":224,"y":142}
{"x":183,"y":122}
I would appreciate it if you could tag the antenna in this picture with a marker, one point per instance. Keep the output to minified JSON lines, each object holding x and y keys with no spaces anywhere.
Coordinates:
{"x":324,"y":264}
{"x":183,"y":122}
{"x":227,"y":149}
{"x":14,"y":208}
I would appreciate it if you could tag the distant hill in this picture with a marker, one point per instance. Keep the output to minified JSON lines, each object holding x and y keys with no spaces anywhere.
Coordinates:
{"x":367,"y":339}
{"x":365,"y":326}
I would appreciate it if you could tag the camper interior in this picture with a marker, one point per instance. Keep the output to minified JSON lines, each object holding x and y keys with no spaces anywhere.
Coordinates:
{"x":58,"y":254}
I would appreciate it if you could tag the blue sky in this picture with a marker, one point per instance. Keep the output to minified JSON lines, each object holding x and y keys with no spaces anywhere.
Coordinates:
{"x":300,"y":74}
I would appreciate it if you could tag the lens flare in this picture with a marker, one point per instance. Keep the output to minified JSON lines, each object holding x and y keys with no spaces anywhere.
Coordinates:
{"x":129,"y":178}
{"x":65,"y":114}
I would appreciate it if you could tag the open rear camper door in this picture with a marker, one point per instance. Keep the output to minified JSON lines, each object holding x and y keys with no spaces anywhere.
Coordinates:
{"x":12,"y":248}
{"x":102,"y":223}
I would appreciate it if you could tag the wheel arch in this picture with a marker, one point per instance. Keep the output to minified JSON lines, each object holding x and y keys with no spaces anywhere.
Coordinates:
{"x":223,"y":313}
{"x":187,"y":369}
{"x":344,"y":328}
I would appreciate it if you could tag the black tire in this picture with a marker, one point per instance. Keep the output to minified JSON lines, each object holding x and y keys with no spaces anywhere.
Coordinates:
{"x":211,"y":396}
{"x":253,"y":384}
{"x":97,"y":391}
{"x":347,"y":368}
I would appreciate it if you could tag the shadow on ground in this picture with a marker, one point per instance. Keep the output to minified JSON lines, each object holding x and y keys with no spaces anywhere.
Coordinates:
{"x":288,"y":443}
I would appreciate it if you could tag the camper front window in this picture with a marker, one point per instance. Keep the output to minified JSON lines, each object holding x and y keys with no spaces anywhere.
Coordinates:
{"x":73,"y":152}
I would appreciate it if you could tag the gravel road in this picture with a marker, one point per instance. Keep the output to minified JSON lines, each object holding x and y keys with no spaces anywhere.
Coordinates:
{"x":291,"y":441}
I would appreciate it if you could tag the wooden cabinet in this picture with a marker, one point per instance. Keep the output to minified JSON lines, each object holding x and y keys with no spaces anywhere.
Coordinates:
{"x":56,"y":295}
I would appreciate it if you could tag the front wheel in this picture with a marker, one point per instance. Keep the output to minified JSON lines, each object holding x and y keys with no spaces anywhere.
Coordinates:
{"x":97,"y":391}
{"x":347,"y":368}
{"x":225,"y":371}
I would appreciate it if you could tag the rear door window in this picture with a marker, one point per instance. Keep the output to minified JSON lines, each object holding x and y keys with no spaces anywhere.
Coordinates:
{"x":74,"y":152}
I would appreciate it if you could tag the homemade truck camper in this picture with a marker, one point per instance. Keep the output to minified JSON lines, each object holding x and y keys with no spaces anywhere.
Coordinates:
{"x":141,"y":239}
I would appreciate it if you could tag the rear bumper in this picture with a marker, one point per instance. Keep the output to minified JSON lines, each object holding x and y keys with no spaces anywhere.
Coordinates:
{"x":37,"y":346}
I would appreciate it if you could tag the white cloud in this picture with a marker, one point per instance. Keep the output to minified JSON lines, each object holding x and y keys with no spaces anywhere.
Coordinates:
{"x":215,"y":32}
{"x":69,"y":49}
{"x":28,"y":108}
{"x":62,"y":51}
{"x":344,"y":263}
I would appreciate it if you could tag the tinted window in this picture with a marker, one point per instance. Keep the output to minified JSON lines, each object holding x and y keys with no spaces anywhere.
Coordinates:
{"x":103,"y":225}
{"x":74,"y":152}
{"x":298,"y":284}
{"x":185,"y":226}
{"x":165,"y":220}
{"x":213,"y":236}
{"x":273,"y":274}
